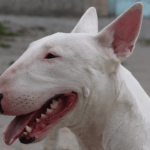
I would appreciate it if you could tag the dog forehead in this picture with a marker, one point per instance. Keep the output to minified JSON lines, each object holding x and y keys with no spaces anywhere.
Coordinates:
{"x":73,"y":47}
{"x":63,"y":39}
{"x":63,"y":43}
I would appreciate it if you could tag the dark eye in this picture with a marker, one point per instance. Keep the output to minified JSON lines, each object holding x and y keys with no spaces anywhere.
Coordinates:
{"x":50,"y":56}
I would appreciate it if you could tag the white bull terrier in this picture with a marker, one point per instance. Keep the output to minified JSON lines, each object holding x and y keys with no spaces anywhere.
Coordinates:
{"x":75,"y":80}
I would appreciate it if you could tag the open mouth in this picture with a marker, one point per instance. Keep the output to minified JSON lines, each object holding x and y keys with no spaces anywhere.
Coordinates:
{"x":33,"y":127}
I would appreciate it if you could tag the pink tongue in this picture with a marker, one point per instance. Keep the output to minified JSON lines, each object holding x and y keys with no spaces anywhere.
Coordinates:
{"x":15,"y":128}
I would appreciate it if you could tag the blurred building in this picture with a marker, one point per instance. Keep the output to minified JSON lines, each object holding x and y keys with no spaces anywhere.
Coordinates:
{"x":68,"y":7}
{"x":117,"y":7}
{"x":100,"y":5}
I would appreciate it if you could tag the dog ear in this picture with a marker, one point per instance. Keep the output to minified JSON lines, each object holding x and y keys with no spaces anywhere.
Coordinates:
{"x":88,"y":22}
{"x":120,"y":36}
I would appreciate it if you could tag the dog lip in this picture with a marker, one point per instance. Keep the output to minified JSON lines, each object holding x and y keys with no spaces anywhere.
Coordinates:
{"x":1,"y":110}
{"x":26,"y":141}
{"x":57,"y":96}
{"x":74,"y":92}
{"x":19,"y":121}
{"x":54,"y":97}
{"x":53,"y":119}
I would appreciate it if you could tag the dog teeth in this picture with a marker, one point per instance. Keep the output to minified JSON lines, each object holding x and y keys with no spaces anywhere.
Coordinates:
{"x":54,"y":104}
{"x":37,"y":120}
{"x":43,"y":116}
{"x":28,"y":129}
{"x":25,"y":133}
{"x":48,"y":110}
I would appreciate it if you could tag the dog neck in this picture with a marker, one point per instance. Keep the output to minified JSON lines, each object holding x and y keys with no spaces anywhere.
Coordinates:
{"x":90,"y":129}
{"x":97,"y":130}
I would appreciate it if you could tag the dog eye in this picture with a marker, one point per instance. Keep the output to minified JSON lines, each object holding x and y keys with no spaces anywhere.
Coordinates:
{"x":50,"y":56}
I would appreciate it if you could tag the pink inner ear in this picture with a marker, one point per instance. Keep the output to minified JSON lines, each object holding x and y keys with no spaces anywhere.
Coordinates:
{"x":126,"y":30}
{"x":131,"y":48}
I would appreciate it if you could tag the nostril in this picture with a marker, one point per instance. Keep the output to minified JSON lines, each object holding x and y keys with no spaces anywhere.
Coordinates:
{"x":1,"y":110}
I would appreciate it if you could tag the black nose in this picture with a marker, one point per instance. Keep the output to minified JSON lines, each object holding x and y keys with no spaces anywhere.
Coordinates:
{"x":1,"y":110}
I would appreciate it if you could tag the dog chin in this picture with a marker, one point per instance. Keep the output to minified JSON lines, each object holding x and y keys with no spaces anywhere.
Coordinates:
{"x":33,"y":127}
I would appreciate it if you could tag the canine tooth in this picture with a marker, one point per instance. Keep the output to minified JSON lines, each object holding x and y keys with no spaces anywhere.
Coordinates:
{"x":25,"y":133}
{"x":37,"y":120}
{"x":48,"y":110}
{"x":54,"y":104}
{"x":29,"y":129}
{"x":43,"y":116}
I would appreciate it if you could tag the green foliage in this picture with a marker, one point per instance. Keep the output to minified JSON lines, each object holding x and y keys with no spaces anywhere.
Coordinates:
{"x":4,"y":31}
{"x":40,"y":28}
{"x":7,"y":35}
{"x":11,"y":62}
{"x":145,"y":42}
{"x":4,"y":45}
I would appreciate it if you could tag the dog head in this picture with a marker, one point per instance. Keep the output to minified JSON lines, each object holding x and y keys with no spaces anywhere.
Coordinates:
{"x":51,"y":84}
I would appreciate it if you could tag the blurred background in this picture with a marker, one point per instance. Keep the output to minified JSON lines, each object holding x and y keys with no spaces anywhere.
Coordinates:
{"x":24,"y":21}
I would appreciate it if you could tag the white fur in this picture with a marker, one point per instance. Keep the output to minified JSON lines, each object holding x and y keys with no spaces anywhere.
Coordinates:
{"x":113,"y":111}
